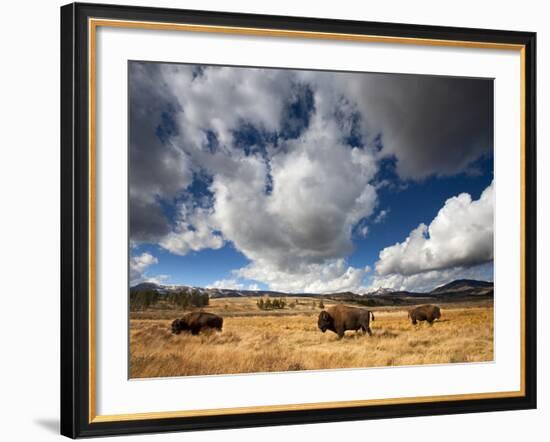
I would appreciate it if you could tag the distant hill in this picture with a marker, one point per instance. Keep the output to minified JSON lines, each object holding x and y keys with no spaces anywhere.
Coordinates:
{"x":455,"y":291}
{"x":144,"y":287}
{"x":470,"y":286}
{"x":460,"y":290}
{"x":212,"y":292}
{"x":380,"y":291}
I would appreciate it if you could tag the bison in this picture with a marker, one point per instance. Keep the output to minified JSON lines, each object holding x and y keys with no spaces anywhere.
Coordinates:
{"x":340,"y":318}
{"x":196,"y":321}
{"x":425,"y":312}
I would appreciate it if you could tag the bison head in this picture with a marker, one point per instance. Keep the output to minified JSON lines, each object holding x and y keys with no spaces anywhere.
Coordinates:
{"x":178,"y":325}
{"x":325,"y":322}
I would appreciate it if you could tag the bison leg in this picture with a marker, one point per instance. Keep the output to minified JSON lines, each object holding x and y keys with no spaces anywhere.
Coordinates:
{"x":413,"y":321}
{"x":340,"y":333}
{"x":366,"y":329}
{"x":195,"y":330}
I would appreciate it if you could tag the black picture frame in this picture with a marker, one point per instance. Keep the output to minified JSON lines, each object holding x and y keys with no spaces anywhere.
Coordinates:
{"x":75,"y":221}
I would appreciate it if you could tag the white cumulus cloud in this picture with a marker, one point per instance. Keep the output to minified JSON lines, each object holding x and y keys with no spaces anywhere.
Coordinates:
{"x":320,"y":191}
{"x":233,"y":284}
{"x":193,"y":232}
{"x":327,"y":277}
{"x":139,"y":265}
{"x":461,"y":235}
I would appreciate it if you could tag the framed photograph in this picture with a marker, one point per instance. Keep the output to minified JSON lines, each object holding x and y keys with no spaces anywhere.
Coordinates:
{"x":274,"y":220}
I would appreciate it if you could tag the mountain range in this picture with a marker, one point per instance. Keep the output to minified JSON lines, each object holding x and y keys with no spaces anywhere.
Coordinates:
{"x":457,"y":290}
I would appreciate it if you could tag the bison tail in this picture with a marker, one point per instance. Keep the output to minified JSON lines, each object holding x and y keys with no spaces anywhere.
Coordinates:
{"x":372,"y":315}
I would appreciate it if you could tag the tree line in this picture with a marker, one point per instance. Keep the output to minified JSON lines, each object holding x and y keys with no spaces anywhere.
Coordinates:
{"x":274,"y":304}
{"x":269,"y":304}
{"x":142,"y":300}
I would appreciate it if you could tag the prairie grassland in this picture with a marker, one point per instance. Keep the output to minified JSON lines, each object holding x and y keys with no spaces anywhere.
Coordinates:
{"x":288,"y":340}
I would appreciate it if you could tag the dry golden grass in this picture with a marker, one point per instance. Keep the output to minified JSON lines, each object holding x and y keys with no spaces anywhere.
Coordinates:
{"x":253,"y":341}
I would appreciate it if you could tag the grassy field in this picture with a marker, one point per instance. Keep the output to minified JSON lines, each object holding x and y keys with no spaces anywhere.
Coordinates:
{"x":288,"y":339}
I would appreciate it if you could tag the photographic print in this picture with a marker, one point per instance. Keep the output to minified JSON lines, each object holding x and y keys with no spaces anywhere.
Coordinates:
{"x":284,"y":220}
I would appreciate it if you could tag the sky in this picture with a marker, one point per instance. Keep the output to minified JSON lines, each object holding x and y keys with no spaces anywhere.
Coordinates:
{"x":308,"y":181}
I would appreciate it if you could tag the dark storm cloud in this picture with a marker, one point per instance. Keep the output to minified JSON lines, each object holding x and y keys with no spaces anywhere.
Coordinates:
{"x":432,"y":125}
{"x":157,"y":170}
{"x":147,"y":221}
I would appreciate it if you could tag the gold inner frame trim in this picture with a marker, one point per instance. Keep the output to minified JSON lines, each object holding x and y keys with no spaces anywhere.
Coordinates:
{"x":93,"y":24}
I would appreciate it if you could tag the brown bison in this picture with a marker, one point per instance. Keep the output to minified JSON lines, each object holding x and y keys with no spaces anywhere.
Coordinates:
{"x":196,"y":321}
{"x":340,"y":318}
{"x":425,"y":312}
